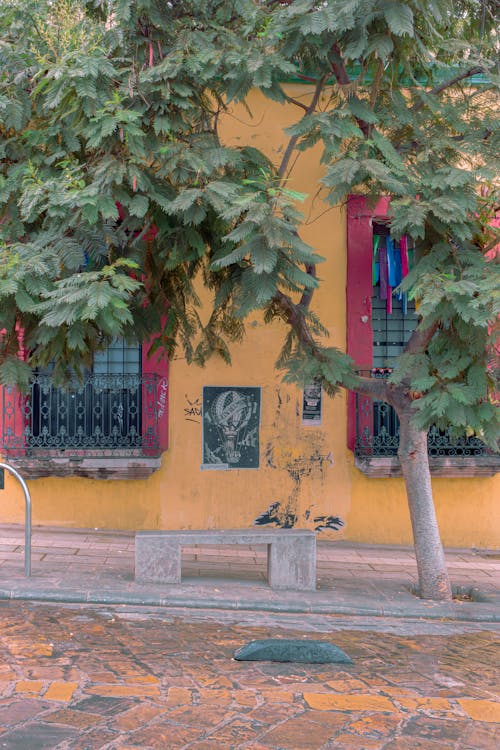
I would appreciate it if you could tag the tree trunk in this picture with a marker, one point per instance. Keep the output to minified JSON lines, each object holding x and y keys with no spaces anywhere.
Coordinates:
{"x":434,"y":582}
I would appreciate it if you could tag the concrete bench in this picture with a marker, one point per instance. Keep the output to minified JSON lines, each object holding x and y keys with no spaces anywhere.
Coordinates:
{"x":291,"y":554}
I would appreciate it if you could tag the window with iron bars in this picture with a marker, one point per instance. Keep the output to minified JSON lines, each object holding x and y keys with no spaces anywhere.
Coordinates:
{"x":391,"y":332}
{"x":101,"y":411}
{"x":378,"y":329}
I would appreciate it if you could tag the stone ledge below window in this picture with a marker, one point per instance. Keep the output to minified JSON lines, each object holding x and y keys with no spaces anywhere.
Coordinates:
{"x":91,"y":467}
{"x":440,"y":466}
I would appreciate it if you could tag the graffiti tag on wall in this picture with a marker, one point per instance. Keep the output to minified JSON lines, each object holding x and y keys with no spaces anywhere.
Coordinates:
{"x":193,"y":410}
{"x":162,"y":397}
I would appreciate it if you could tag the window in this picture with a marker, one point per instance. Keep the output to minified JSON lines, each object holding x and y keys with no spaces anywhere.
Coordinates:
{"x":379,"y":324}
{"x":392,"y":324}
{"x":100,"y":412}
{"x":119,"y":410}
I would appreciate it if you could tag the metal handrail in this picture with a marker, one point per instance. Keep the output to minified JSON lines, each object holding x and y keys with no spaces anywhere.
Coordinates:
{"x":27,"y":517}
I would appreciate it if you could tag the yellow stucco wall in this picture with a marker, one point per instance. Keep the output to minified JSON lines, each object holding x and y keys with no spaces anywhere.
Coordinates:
{"x":308,"y":470}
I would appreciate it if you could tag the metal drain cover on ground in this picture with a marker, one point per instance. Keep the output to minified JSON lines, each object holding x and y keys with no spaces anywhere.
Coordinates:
{"x":283,"y":649}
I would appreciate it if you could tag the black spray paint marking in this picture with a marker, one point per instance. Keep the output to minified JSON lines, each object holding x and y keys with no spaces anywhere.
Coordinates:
{"x":284,"y":518}
{"x":192,"y":412}
{"x":269,"y":456}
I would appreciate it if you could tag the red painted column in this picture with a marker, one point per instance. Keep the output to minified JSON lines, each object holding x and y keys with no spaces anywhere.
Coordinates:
{"x":155,"y":398}
{"x":359,"y":299}
{"x":14,"y":413}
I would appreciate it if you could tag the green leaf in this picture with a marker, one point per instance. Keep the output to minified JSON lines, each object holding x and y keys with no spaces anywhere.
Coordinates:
{"x":342,"y":171}
{"x":388,"y":151}
{"x":138,"y":206}
{"x":108,"y":208}
{"x":399,"y":17}
{"x":13,"y":371}
{"x":362,"y":110}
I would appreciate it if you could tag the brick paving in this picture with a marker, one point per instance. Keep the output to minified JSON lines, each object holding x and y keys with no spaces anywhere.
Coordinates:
{"x":81,"y":677}
{"x":91,"y":565}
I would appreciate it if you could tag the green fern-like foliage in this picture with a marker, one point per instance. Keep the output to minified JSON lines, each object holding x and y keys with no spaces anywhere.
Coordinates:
{"x":118,"y":197}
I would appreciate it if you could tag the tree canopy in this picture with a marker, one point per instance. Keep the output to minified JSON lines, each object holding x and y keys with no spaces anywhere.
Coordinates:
{"x":117,"y":195}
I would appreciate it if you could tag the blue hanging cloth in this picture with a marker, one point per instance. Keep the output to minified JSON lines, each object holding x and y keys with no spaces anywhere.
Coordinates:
{"x":391,"y":263}
{"x":398,"y":270}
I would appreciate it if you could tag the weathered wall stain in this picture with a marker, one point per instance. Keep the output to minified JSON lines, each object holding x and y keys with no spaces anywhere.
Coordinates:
{"x":304,"y":457}
{"x":282,"y":399}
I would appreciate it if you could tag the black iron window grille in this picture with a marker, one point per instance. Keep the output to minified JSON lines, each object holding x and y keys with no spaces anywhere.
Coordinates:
{"x":377,"y":431}
{"x":104,"y":415}
{"x":112,"y":412}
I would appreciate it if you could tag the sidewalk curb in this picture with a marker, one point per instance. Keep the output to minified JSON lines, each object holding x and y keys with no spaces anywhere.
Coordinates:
{"x":465,"y":612}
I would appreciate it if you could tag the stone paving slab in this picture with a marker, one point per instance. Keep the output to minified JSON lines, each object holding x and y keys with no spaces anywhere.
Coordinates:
{"x":95,"y":566}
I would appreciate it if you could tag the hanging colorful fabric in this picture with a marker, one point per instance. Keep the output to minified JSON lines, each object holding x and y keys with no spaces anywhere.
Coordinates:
{"x":391,"y":272}
{"x":391,"y":262}
{"x":403,"y":249}
{"x":383,"y":272}
{"x":398,"y":269}
{"x":411,"y":258}
{"x":375,"y":263}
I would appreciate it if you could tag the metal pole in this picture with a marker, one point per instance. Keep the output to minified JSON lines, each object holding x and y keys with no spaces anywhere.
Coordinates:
{"x":27,"y":518}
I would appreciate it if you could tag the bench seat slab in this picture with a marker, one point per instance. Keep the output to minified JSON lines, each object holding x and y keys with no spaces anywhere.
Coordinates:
{"x":291,"y":554}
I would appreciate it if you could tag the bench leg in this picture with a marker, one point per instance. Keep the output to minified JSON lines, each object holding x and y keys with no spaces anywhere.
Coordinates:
{"x":291,"y":564}
{"x":157,"y":561}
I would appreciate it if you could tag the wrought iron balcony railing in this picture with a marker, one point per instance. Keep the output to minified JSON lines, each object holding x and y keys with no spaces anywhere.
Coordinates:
{"x":377,"y":433}
{"x":104,"y":415}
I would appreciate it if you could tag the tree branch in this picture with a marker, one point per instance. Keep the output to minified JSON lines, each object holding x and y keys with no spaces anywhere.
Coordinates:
{"x":295,"y":318}
{"x":376,"y":388}
{"x":309,"y":79}
{"x":451,"y":82}
{"x":307,"y":294}
{"x":420,"y":339}
{"x":459,"y":77}
{"x":293,"y":140}
{"x":297,"y":103}
{"x":342,"y":77}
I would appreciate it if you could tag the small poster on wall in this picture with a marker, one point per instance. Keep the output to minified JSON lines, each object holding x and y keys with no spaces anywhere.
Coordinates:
{"x":311,"y":405}
{"x":231,"y":423}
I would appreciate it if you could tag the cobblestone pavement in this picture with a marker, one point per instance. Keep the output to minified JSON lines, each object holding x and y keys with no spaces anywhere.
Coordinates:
{"x":80,"y":677}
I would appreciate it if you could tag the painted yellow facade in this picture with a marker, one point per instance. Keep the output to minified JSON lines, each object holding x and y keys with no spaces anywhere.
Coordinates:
{"x":309,"y":469}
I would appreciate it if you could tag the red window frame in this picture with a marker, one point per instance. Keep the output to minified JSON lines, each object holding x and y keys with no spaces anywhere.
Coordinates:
{"x":359,"y":291}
